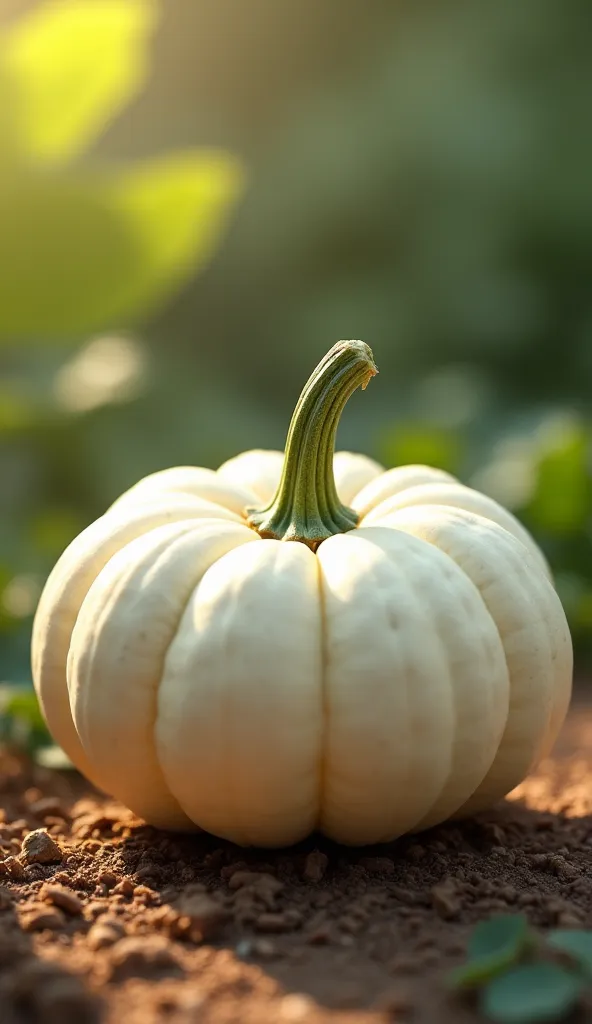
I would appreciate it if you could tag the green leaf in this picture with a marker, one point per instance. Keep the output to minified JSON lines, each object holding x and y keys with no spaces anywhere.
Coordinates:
{"x":501,"y":933}
{"x":9,"y":133}
{"x":21,"y":702}
{"x":577,"y":944}
{"x":175,"y":208}
{"x":494,"y":945}
{"x":62,"y":251}
{"x":52,"y":528}
{"x":81,"y":255}
{"x":561,"y":498}
{"x":531,"y":993}
{"x":73,"y":67}
{"x":21,"y":723}
{"x":17,"y":411}
{"x":416,"y":443}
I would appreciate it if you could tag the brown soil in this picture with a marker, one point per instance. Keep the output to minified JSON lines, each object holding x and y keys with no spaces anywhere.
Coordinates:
{"x":103,"y":919}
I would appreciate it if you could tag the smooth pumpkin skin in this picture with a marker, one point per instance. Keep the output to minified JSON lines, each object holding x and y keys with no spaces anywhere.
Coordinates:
{"x":411,"y":670}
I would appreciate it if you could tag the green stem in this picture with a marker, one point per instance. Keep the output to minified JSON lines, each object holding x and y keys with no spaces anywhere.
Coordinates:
{"x":306,"y":507}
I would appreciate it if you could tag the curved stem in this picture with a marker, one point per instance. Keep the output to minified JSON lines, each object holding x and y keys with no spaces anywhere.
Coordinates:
{"x":306,"y":506}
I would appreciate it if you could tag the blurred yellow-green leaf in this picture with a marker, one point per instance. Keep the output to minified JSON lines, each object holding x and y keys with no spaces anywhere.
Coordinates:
{"x":417,"y":443}
{"x":73,"y":66}
{"x":52,"y":529}
{"x":84,"y":253}
{"x":18,"y":411}
{"x":63,"y":254}
{"x":175,"y":209}
{"x":583,"y":612}
{"x":8,"y":125}
{"x":561,"y":498}
{"x":21,"y":723}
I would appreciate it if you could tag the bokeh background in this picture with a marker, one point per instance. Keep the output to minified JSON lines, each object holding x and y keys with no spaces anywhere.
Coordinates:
{"x":198,"y":199}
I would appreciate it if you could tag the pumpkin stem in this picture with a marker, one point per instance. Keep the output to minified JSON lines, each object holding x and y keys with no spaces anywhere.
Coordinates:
{"x":306,"y":507}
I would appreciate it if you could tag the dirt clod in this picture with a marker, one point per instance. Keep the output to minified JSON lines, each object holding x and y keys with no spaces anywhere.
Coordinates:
{"x":124,"y":888}
{"x":39,"y":918}
{"x":48,"y":807}
{"x":39,"y":848}
{"x":150,"y":956}
{"x":315,"y":866}
{"x":13,"y":868}
{"x":105,"y":933}
{"x":445,"y":900}
{"x":63,"y":898}
{"x":198,"y":917}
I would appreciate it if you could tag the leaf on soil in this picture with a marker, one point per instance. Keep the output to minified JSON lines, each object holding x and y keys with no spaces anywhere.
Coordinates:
{"x":575,"y":943}
{"x":494,"y":945}
{"x":531,"y":993}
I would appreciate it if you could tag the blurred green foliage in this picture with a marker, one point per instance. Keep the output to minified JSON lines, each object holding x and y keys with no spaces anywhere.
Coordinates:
{"x":82,"y":248}
{"x":418,"y":176}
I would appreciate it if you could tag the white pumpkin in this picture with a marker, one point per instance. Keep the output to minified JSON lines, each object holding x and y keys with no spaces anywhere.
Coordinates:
{"x":406,"y":659}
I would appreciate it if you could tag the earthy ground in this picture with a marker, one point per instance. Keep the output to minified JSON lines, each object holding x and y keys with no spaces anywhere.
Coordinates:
{"x":110,"y":921}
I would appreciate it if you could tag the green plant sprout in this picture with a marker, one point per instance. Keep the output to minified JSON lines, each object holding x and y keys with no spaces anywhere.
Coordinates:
{"x":518,"y":980}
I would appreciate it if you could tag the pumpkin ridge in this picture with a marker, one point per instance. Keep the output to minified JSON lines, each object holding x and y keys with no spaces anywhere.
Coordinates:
{"x":162,"y":551}
{"x":474,"y":799}
{"x":65,"y":582}
{"x":325,"y":710}
{"x":157,"y":710}
{"x":453,"y":494}
{"x":194,"y":825}
{"x":122,"y":583}
{"x":515,"y":548}
{"x":426,"y":821}
{"x":437,"y":635}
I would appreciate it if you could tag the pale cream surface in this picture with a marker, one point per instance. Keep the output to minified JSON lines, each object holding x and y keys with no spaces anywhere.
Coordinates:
{"x":409,"y":671}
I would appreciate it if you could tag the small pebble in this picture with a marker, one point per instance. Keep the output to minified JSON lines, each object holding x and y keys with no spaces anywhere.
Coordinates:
{"x":199,"y":917}
{"x":108,"y":879}
{"x":315,"y":866}
{"x":445,"y":901}
{"x":13,"y":868}
{"x":124,"y":888}
{"x":40,"y":848}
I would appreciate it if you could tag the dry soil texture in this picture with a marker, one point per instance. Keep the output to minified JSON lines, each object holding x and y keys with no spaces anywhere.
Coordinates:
{"x":103,"y":919}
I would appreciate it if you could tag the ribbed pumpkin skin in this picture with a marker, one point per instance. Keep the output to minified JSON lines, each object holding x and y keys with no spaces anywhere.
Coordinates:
{"x":411,"y":670}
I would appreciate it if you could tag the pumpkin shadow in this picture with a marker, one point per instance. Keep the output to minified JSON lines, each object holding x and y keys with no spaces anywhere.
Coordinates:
{"x":360,"y":928}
